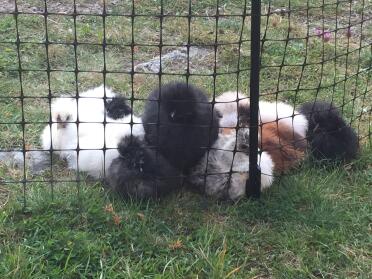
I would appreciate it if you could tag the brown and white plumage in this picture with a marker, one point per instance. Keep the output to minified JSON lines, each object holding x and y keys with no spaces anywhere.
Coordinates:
{"x":285,"y":137}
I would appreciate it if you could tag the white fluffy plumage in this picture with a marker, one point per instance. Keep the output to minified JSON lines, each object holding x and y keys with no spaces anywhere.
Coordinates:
{"x":226,"y":173}
{"x":97,"y":141}
{"x":227,"y":103}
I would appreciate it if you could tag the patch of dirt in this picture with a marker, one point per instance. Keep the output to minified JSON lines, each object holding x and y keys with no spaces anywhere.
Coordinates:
{"x":6,"y":6}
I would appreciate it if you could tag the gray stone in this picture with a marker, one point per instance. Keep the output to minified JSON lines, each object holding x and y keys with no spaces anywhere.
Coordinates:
{"x":178,"y":55}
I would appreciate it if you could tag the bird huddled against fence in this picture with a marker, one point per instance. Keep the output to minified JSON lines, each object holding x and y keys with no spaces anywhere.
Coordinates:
{"x":184,"y":139}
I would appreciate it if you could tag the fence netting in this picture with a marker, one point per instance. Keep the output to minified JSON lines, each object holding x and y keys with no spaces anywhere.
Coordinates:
{"x":309,"y":50}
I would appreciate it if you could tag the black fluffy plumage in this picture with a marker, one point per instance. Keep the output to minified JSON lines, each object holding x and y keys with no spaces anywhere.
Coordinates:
{"x":180,"y":121}
{"x":328,"y":134}
{"x":117,"y":108}
{"x":139,"y":172}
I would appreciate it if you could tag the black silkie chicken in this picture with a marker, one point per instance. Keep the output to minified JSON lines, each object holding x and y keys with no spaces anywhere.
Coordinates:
{"x":140,"y":172}
{"x":329,"y":136}
{"x":180,"y":122}
{"x":180,"y":126}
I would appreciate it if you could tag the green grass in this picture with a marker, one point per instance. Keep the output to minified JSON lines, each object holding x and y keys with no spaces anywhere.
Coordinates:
{"x":313,"y":223}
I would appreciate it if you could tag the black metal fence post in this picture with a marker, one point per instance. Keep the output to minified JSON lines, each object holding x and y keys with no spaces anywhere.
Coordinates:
{"x":253,"y":185}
